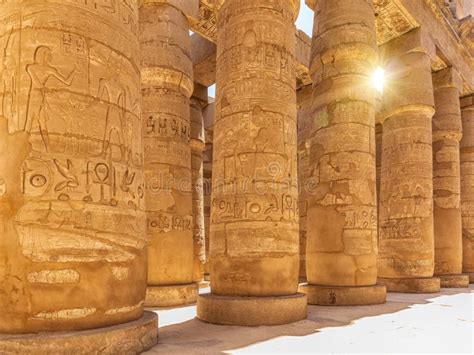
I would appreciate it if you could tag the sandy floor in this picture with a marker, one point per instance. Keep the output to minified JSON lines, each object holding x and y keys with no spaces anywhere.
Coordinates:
{"x":439,"y":323}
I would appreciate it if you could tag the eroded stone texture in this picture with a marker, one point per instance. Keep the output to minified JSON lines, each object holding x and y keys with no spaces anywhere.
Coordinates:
{"x":305,"y":183}
{"x":447,"y":132}
{"x":71,"y":182}
{"x":198,"y":101}
{"x":467,"y":184}
{"x":167,"y":86}
{"x":254,"y":227}
{"x":406,"y":240}
{"x":342,"y":212}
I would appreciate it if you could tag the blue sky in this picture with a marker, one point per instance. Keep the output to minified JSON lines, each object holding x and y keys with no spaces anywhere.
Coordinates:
{"x":304,"y":23}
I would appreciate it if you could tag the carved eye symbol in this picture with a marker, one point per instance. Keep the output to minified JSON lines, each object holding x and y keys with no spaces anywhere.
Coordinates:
{"x":38,"y":180}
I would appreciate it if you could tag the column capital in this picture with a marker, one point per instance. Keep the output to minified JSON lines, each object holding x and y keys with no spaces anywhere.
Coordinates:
{"x":188,"y":7}
{"x":467,"y":102}
{"x":296,"y":4}
{"x":447,"y":78}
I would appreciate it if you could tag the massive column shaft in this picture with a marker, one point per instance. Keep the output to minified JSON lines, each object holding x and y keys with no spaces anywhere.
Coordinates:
{"x":447,"y":132}
{"x":254,"y":252}
{"x":406,"y":240}
{"x":197,"y":148}
{"x":467,"y":185}
{"x":72,"y":221}
{"x":167,"y":86}
{"x":341,"y":250}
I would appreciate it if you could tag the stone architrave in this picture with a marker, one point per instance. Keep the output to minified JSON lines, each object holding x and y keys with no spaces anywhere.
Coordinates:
{"x":467,"y":185}
{"x":167,"y":85}
{"x":447,"y":132}
{"x":72,"y":214}
{"x":406,"y":237}
{"x":254,"y":253}
{"x":341,"y":247}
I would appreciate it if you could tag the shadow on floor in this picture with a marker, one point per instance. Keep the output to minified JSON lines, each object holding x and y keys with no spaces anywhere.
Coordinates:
{"x":192,"y":336}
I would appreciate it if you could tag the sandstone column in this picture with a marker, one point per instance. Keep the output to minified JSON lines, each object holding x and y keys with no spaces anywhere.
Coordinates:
{"x":167,"y":86}
{"x":305,"y":184}
{"x":447,"y":132}
{"x":406,"y":239}
{"x":341,"y":250}
{"x":254,"y":252}
{"x":198,"y":100}
{"x":72,"y":220}
{"x":467,"y":185}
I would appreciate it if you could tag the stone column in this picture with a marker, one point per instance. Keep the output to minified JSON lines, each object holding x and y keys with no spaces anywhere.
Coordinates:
{"x":305,"y":121}
{"x":467,"y":185}
{"x":72,"y":220}
{"x":447,"y":132}
{"x":198,"y":101}
{"x":341,"y":250}
{"x":208,"y":114}
{"x":167,"y":85}
{"x":406,"y":239}
{"x":254,"y":252}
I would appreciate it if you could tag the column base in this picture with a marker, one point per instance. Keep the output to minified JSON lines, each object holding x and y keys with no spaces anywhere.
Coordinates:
{"x":171,"y":296}
{"x":471,"y":276}
{"x":415,"y":285}
{"x":204,"y":284}
{"x":251,"y":311}
{"x":344,"y":295}
{"x":454,"y":281}
{"x":127,"y":338}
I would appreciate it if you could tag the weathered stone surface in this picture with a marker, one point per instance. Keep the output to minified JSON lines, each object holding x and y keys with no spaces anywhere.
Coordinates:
{"x":344,"y":296}
{"x":72,"y":222}
{"x":128,"y":338}
{"x":467,"y":184}
{"x":197,"y":148}
{"x":454,"y":281}
{"x":254,"y":224}
{"x":252,"y":311}
{"x":171,"y":296}
{"x":412,"y":285}
{"x":341,"y":247}
{"x":167,"y":86}
{"x":406,"y":239}
{"x":447,"y":132}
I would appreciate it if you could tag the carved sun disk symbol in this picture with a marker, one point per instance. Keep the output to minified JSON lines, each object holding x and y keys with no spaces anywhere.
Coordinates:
{"x":38,"y":180}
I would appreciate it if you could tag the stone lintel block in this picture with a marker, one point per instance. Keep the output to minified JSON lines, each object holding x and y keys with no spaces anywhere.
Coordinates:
{"x":344,"y":296}
{"x":448,"y":77}
{"x":171,"y":296}
{"x":416,"y":40}
{"x":128,"y":338}
{"x":200,"y":93}
{"x":251,"y":311}
{"x":412,"y":285}
{"x":454,"y":281}
{"x":189,"y":7}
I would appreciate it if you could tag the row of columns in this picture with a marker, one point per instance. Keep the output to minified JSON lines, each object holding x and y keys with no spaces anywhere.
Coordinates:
{"x":152,"y":165}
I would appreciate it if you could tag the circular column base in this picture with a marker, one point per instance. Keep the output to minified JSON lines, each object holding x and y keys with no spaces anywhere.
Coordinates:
{"x":344,"y":295}
{"x":454,"y":281}
{"x":171,"y":296}
{"x":415,"y":285}
{"x":204,"y":284}
{"x":251,"y":311}
{"x":127,"y":338}
{"x":471,"y":276}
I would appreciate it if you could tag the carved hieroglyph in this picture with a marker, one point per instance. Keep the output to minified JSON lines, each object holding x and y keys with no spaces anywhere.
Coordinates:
{"x":406,"y":241}
{"x":197,"y":148}
{"x":71,"y":184}
{"x":447,"y":132}
{"x":467,"y":184}
{"x":254,"y":223}
{"x":167,"y":86}
{"x":341,"y":245}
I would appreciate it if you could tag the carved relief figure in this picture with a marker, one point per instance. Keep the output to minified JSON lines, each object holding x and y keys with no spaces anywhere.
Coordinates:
{"x":40,"y":72}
